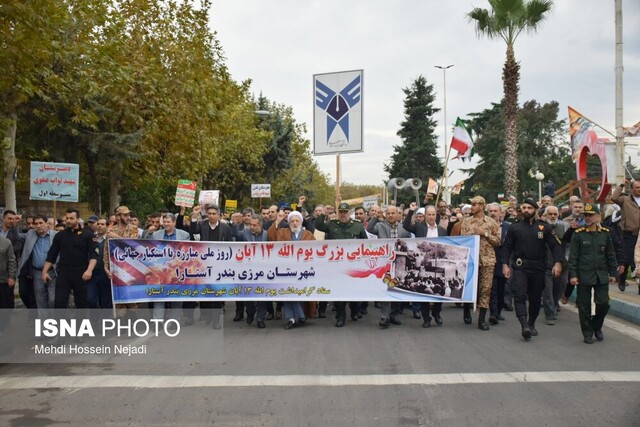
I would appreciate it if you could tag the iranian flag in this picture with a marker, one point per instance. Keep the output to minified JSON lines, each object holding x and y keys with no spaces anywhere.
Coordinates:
{"x":461,"y":141}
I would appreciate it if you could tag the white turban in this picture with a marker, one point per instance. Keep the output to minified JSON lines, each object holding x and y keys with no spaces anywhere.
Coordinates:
{"x":294,"y":213}
{"x":420,"y":211}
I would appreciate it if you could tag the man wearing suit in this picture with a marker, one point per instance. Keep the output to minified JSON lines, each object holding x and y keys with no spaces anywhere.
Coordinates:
{"x":210,"y":230}
{"x":36,"y":246}
{"x":168,"y":232}
{"x":389,"y":229}
{"x":426,"y":226}
{"x":496,"y":300}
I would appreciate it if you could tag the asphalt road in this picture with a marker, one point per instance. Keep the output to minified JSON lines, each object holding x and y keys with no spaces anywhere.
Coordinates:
{"x":453,"y":375}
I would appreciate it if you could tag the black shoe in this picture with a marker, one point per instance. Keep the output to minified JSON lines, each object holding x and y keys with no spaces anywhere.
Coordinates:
{"x":508,"y":308}
{"x":354,"y":317}
{"x":269,"y":316}
{"x":598,"y":335}
{"x":290,"y":324}
{"x":238,"y":317}
{"x":483,"y":326}
{"x":339,"y":323}
{"x":359,"y":315}
{"x":467,"y":319}
{"x":588,"y":340}
{"x":493,"y":320}
{"x":426,"y":324}
{"x":384,"y":324}
{"x":302,"y":321}
{"x":249,"y":319}
{"x":260,"y":324}
{"x":321,"y":315}
{"x":622,"y":285}
{"x":416,"y":315}
{"x":364,"y":311}
{"x":437,"y":319}
{"x":500,"y":317}
{"x":526,"y":332}
{"x":534,"y":331}
{"x":395,"y":321}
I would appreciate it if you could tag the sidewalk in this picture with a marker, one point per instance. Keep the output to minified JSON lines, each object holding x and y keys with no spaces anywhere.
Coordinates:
{"x":625,"y":305}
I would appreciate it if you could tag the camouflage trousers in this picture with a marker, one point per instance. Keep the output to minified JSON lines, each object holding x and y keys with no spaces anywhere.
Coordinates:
{"x":485,"y":280}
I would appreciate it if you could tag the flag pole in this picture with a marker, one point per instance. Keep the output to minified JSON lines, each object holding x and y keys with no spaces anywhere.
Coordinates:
{"x":444,"y":173}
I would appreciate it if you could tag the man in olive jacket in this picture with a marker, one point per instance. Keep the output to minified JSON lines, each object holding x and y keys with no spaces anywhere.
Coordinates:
{"x":342,"y":228}
{"x":592,"y":266}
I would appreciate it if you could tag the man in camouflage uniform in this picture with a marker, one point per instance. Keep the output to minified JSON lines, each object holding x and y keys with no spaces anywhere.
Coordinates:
{"x":592,"y":266}
{"x":481,"y":225}
{"x":125,"y":230}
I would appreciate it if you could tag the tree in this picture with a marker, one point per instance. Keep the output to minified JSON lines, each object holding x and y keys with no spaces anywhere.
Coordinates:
{"x":30,"y":40}
{"x":417,"y":156}
{"x":506,"y":20}
{"x":543,"y":147}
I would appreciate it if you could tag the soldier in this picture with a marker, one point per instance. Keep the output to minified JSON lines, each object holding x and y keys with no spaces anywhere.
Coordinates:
{"x":342,"y":228}
{"x":481,"y":225}
{"x":526,"y":249}
{"x":592,"y":266}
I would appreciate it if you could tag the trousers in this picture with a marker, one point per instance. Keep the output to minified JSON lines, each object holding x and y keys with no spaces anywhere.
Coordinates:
{"x":527,"y":285}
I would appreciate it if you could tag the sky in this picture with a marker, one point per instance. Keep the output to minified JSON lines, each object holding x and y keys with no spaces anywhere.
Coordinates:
{"x":281,"y":44}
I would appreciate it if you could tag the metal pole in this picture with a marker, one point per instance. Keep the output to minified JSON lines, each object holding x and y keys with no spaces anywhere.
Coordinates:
{"x":445,"y":178}
{"x":539,"y":191}
{"x":338,"y":197}
{"x":619,"y":116}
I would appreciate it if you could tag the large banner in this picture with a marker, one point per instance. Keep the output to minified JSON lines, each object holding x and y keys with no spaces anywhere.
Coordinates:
{"x":443,"y":269}
{"x":337,"y":112}
{"x":54,"y":181}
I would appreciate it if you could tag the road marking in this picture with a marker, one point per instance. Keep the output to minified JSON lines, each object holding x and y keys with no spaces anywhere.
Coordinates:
{"x":616,"y":325}
{"x":166,"y":381}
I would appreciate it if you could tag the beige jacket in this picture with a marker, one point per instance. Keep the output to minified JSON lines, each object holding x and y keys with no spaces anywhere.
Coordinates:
{"x":630,"y":211}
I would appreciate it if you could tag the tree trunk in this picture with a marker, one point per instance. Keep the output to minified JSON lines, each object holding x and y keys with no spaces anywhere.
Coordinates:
{"x":10,"y":162}
{"x":93,"y":183}
{"x":114,"y":186}
{"x":510,"y":79}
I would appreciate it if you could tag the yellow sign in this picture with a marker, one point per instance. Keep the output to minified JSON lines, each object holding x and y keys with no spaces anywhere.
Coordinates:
{"x":230,"y":206}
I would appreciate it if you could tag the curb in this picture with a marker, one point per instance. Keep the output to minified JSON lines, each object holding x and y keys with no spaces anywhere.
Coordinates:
{"x":620,"y":308}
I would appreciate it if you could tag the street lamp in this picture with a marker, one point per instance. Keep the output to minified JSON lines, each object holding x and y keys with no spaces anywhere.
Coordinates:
{"x":540,"y":178}
{"x":446,"y":195}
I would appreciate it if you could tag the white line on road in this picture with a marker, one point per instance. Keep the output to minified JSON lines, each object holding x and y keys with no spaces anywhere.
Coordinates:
{"x":166,"y":381}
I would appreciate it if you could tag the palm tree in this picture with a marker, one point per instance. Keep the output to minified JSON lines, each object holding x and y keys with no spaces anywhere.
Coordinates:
{"x":506,"y":20}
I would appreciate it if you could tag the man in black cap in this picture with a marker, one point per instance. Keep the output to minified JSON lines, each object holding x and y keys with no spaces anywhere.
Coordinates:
{"x":592,"y":266}
{"x":525,"y":249}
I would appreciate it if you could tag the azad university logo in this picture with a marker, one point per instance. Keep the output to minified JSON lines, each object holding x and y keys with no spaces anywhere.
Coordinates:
{"x":337,"y":104}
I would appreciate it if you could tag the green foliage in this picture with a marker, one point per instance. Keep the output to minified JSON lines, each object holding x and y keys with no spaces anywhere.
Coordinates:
{"x":417,"y":156}
{"x":543,"y":146}
{"x":506,"y":20}
{"x":137,"y":92}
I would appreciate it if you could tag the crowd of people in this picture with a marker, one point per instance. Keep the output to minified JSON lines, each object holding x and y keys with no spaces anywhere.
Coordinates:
{"x":532,"y":256}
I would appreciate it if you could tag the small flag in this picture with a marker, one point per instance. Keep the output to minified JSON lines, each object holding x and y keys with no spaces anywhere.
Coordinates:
{"x":632,"y":130}
{"x":457,"y":188}
{"x":432,"y":187}
{"x":461,"y":141}
{"x":579,"y":128}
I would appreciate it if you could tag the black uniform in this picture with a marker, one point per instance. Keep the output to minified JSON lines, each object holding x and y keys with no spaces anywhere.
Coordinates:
{"x":75,"y":248}
{"x":526,"y":248}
